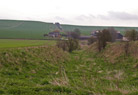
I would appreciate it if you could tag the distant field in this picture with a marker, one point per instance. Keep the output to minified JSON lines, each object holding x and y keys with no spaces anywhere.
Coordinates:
{"x":19,"y":29}
{"x":9,"y":43}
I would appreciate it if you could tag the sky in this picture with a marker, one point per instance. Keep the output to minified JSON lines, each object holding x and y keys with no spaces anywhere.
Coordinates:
{"x":76,"y":12}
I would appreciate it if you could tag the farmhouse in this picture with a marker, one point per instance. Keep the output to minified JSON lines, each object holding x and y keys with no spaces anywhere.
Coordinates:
{"x":54,"y":34}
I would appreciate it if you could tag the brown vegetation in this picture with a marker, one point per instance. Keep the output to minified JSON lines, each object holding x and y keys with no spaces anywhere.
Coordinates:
{"x":20,"y":56}
{"x":103,"y":37}
{"x":113,"y":51}
{"x":68,"y":45}
{"x":91,"y":40}
{"x":132,"y":35}
{"x":75,"y":34}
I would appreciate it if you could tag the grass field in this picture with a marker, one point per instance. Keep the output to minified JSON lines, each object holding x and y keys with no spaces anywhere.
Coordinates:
{"x":10,"y":43}
{"x":35,"y":30}
{"x":51,"y":71}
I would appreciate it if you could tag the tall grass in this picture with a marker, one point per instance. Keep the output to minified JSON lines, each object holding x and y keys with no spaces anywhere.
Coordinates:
{"x":51,"y":71}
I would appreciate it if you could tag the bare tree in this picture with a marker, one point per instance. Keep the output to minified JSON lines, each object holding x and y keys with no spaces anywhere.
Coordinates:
{"x":113,"y":33}
{"x":68,"y":45}
{"x":91,"y":40}
{"x":103,"y":37}
{"x":132,"y":35}
{"x":76,"y":34}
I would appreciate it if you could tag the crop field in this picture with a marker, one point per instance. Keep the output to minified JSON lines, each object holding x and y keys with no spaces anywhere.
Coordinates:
{"x":35,"y":30}
{"x":11,"y":43}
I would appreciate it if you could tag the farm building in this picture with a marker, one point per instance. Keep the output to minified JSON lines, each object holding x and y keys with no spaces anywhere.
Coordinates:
{"x":54,"y":34}
{"x":94,"y":33}
{"x":84,"y":37}
{"x":118,"y":35}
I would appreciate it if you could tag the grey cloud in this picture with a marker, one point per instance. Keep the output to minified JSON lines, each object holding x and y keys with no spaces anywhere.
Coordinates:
{"x":104,"y":17}
{"x":123,"y":15}
{"x":62,"y":19}
{"x":81,"y":17}
{"x":59,"y":18}
{"x":85,"y":18}
{"x":118,"y":16}
{"x":110,"y":16}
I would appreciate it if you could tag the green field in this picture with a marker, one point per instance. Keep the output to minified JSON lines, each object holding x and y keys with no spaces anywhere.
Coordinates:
{"x":9,"y":43}
{"x":35,"y":30}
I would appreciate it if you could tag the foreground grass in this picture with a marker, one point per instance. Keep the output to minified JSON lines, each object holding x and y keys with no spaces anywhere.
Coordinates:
{"x":50,"y":71}
{"x":10,"y":43}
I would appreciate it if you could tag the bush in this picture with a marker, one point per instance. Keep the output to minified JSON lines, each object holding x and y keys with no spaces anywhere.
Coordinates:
{"x":68,"y":45}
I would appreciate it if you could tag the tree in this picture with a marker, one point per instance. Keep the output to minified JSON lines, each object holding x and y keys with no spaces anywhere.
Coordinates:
{"x":113,"y":33}
{"x":132,"y":35}
{"x":91,"y":40}
{"x":76,"y":34}
{"x":68,"y":45}
{"x":77,"y":31}
{"x":103,"y":37}
{"x":72,"y":44}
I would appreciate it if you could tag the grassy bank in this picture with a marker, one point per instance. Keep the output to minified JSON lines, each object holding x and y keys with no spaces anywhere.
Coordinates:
{"x":50,"y":71}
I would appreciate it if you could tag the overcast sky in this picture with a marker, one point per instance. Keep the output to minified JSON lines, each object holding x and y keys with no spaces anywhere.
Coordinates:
{"x":77,"y":12}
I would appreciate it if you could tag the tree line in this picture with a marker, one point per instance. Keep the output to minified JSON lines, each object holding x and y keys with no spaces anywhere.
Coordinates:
{"x":103,"y":36}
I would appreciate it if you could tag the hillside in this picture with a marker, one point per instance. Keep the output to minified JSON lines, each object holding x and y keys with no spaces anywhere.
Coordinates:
{"x":20,"y":29}
{"x":23,"y":29}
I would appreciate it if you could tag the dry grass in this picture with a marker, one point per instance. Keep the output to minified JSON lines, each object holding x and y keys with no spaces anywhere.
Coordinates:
{"x":50,"y":54}
{"x":114,"y":50}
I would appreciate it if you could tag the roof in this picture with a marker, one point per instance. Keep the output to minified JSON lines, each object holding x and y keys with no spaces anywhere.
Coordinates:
{"x":84,"y":37}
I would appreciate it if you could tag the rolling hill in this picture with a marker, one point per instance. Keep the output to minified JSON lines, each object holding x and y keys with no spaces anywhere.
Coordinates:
{"x":20,"y":29}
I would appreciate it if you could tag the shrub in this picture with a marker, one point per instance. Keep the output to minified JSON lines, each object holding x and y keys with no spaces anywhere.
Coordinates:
{"x":68,"y":45}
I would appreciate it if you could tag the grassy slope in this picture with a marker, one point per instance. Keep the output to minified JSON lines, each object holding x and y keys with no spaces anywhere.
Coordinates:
{"x":50,"y":71}
{"x":36,"y":29}
{"x":23,"y":29}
